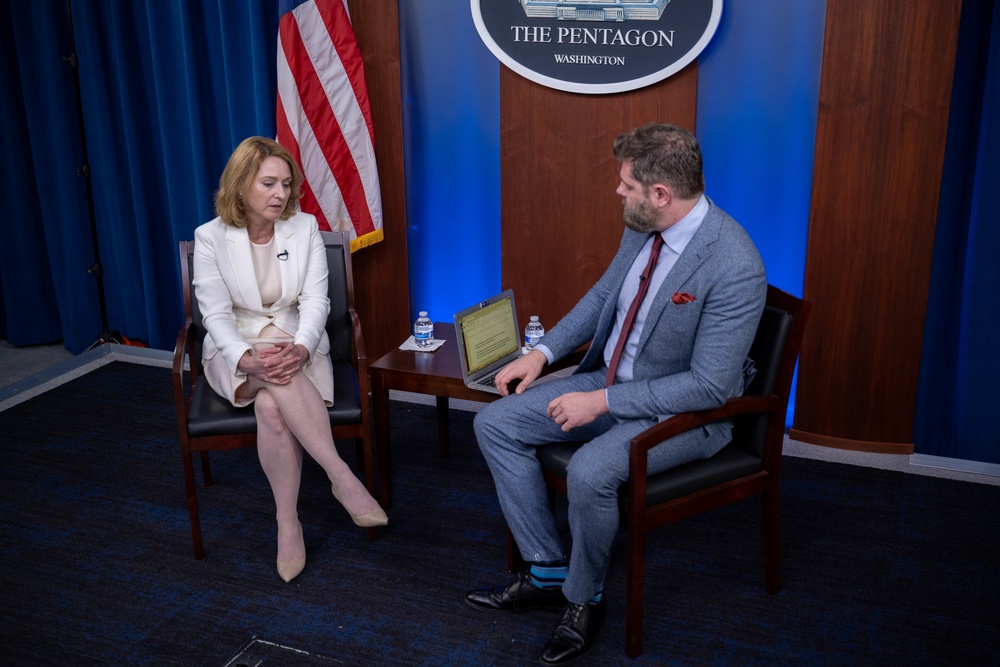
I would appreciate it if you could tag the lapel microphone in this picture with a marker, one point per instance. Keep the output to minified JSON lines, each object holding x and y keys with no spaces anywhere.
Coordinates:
{"x":283,"y":255}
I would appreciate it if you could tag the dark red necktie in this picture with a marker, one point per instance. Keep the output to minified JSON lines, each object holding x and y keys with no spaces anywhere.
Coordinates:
{"x":633,"y":309}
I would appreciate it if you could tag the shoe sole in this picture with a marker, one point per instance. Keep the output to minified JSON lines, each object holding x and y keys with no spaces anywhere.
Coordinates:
{"x":494,"y":610}
{"x":574,"y":660}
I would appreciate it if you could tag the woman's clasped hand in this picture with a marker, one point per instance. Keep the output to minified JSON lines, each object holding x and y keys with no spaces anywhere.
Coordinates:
{"x":275,"y":363}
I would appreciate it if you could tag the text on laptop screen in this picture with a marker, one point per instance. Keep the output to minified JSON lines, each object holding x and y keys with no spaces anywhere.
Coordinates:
{"x":489,"y":334}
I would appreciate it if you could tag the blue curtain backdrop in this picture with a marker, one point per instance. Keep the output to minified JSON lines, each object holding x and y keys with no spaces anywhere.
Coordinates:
{"x":168,"y":90}
{"x":959,"y":394}
{"x":47,"y":249}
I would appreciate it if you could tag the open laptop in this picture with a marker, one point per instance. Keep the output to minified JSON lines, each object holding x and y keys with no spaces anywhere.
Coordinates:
{"x":488,"y":339}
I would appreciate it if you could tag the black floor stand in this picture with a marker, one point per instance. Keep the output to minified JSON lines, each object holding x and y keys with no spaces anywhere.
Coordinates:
{"x":107,"y":336}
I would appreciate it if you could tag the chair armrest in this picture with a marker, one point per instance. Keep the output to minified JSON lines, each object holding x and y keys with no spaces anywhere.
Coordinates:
{"x":177,"y":373}
{"x":741,"y":405}
{"x":359,"y":353}
{"x":180,"y":348}
{"x":655,"y":435}
{"x":359,"y":340}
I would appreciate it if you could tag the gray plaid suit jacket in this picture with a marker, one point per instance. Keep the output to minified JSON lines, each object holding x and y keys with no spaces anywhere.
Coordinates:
{"x":690,"y":356}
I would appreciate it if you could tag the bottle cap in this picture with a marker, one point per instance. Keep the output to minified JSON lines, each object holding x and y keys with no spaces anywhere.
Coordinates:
{"x":534,"y":318}
{"x":423,"y":313}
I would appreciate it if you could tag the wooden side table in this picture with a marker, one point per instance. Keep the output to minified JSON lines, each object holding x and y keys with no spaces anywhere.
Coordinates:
{"x":437,"y":373}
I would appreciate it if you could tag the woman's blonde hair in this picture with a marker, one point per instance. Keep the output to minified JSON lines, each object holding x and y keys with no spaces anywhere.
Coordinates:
{"x":239,"y":173}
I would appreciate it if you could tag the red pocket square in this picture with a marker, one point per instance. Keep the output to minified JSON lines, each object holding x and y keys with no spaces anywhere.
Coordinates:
{"x":681,"y":298}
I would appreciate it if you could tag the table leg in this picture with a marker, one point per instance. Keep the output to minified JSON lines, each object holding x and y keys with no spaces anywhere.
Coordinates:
{"x":380,"y":415}
{"x":442,"y":414}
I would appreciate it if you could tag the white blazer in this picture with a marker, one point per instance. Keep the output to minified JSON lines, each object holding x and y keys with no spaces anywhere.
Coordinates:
{"x":229,"y":298}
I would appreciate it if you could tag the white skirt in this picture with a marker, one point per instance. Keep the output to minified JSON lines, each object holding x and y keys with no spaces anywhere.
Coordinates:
{"x":225,"y":383}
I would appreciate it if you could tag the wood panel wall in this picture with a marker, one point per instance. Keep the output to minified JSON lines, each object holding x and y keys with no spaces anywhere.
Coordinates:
{"x":881,"y":132}
{"x":561,"y":221}
{"x":883,"y":116}
{"x":380,"y":271}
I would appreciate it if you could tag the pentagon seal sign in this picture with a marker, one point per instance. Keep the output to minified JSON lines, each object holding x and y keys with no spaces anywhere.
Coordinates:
{"x":596,"y":46}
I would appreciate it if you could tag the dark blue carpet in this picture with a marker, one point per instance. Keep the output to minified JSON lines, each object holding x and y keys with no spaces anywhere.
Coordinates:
{"x":879,"y":568}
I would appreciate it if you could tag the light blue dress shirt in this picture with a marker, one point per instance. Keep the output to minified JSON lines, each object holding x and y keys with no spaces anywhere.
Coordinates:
{"x":675,"y":240}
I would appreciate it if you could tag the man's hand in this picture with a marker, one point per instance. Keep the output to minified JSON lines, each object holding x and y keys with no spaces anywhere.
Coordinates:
{"x":578,"y":408}
{"x":525,"y":369}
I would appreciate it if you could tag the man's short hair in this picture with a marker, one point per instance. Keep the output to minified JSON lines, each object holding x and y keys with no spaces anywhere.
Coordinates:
{"x":663,"y":153}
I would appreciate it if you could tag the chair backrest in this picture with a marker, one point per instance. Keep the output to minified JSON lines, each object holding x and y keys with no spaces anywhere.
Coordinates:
{"x":774,"y":351}
{"x":192,"y":312}
{"x":339,"y":327}
{"x":340,"y":291}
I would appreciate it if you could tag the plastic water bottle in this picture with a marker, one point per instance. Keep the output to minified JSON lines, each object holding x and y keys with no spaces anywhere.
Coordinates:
{"x":423,"y":330}
{"x":533,"y":333}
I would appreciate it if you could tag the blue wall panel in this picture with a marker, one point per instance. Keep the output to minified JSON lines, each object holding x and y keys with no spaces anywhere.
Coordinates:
{"x":758,"y":99}
{"x":758,"y":96}
{"x":451,"y":130}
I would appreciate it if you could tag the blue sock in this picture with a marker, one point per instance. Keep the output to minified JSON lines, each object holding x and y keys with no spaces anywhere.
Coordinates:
{"x":550,"y":574}
{"x":597,"y":598}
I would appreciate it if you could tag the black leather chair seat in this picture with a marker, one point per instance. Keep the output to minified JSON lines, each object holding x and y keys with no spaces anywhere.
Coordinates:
{"x":728,"y":464}
{"x":211,"y":415}
{"x":346,"y":408}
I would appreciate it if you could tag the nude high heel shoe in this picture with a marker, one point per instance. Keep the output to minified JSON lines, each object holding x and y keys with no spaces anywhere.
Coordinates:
{"x":289,"y":569}
{"x":371,"y":519}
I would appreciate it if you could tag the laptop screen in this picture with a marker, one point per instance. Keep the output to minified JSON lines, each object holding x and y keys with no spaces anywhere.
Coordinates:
{"x":489,"y":334}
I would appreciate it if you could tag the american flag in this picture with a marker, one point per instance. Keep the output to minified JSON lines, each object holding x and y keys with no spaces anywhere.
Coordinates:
{"x":324,"y":118}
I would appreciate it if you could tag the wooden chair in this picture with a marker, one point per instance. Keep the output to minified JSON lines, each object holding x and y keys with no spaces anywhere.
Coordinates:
{"x":749,"y":465}
{"x":207,"y":422}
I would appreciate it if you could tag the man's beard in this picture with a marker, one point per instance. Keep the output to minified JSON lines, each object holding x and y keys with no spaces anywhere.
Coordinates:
{"x":641,"y":218}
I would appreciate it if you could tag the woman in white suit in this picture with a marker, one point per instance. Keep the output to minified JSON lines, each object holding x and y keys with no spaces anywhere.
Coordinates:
{"x":260,"y":277}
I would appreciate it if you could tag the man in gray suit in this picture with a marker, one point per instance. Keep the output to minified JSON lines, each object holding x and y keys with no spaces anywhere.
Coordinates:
{"x":669,"y":324}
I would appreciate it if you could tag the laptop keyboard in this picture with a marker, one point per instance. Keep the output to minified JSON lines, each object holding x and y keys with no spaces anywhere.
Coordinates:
{"x":489,"y":380}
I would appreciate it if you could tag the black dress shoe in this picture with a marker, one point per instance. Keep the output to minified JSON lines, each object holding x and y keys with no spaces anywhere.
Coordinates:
{"x":519,"y":595}
{"x":574,"y":636}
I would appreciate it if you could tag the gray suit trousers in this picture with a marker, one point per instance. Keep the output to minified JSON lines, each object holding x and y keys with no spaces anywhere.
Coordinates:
{"x":508,"y":431}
